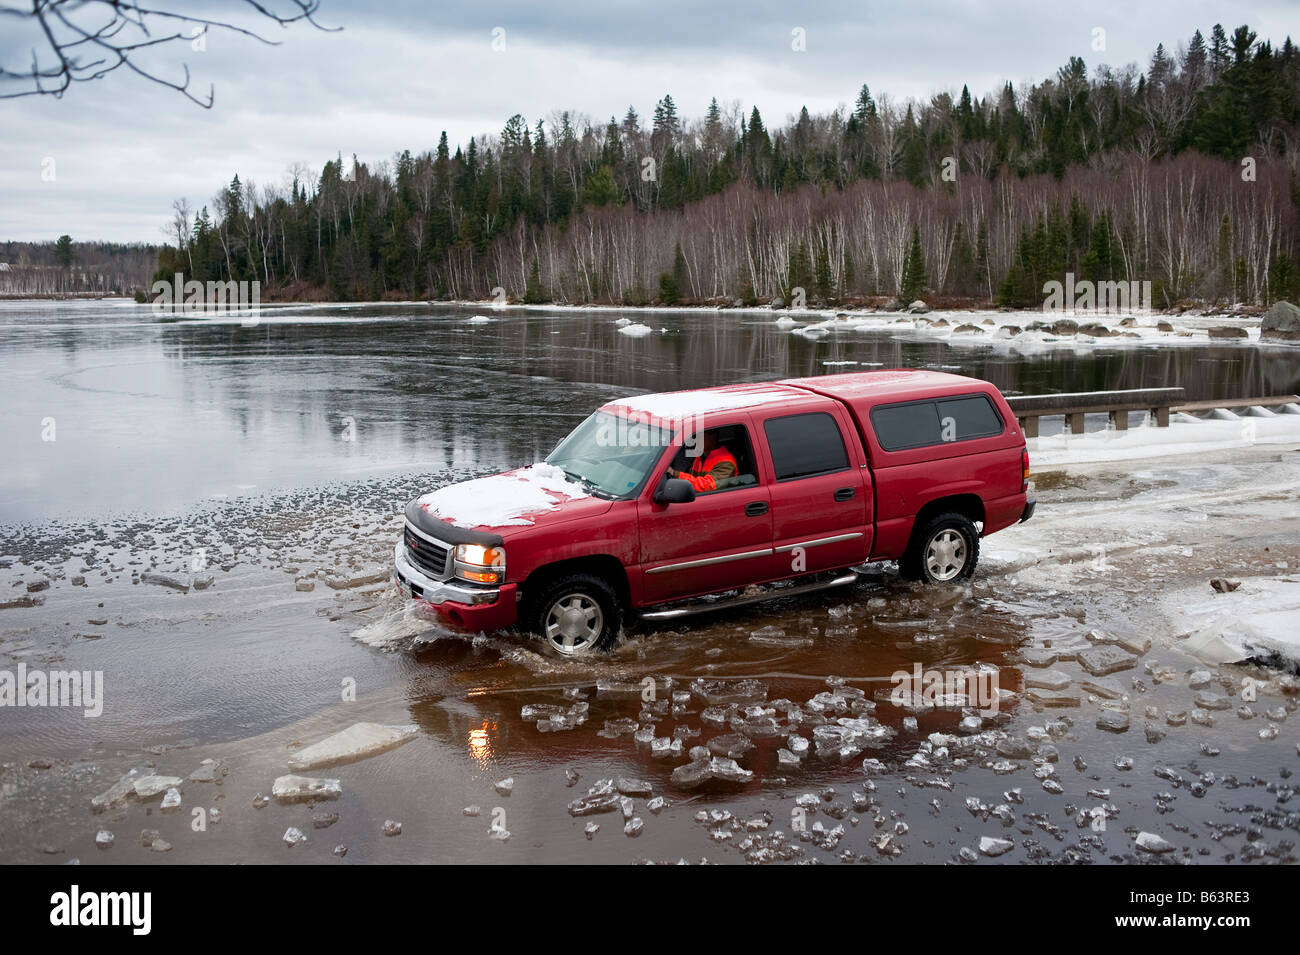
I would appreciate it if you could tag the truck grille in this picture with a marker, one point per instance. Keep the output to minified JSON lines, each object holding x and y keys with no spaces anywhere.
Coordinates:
{"x":430,"y":557}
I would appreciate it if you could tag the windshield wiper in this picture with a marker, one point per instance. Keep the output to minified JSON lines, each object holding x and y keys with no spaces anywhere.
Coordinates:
{"x":591,"y":486}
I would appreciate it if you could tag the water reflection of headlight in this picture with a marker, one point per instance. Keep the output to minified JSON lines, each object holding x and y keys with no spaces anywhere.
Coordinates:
{"x":480,"y":741}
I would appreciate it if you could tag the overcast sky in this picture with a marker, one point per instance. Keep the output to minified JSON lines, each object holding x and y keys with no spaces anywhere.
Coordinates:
{"x":400,"y":72}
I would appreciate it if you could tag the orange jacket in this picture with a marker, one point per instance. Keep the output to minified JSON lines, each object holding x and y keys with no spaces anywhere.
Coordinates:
{"x":706,"y":471}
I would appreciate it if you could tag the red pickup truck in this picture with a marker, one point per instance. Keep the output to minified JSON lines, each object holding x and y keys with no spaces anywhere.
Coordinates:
{"x":818,"y":476}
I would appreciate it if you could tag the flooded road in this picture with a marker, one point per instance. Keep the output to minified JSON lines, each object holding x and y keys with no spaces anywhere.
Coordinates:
{"x":205,"y":537}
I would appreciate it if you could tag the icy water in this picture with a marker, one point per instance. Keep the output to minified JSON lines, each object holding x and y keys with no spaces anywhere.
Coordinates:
{"x":282,"y":459}
{"x":153,"y":415}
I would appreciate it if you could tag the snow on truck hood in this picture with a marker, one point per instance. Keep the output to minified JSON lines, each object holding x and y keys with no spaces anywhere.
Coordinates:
{"x":518,"y":498}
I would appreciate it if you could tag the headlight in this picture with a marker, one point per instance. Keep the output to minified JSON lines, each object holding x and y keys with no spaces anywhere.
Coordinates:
{"x":482,"y":565}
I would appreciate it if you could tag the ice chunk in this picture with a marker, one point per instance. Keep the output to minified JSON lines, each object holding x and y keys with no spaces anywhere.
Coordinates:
{"x":613,"y":729}
{"x":1150,"y":842}
{"x":701,"y":771}
{"x":1113,"y":721}
{"x":209,"y":771}
{"x":171,"y":800}
{"x":720,"y":692}
{"x":505,"y":786}
{"x":292,"y":836}
{"x":146,"y":787}
{"x":359,"y":741}
{"x":120,"y":791}
{"x":733,"y":745}
{"x":1106,"y":659}
{"x":590,"y":805}
{"x":391,"y":828}
{"x":1047,"y":680}
{"x":633,"y":787}
{"x":292,"y":789}
{"x":991,"y":846}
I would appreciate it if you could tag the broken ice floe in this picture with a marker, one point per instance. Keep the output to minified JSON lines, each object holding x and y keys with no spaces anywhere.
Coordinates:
{"x":292,"y":789}
{"x":359,"y":741}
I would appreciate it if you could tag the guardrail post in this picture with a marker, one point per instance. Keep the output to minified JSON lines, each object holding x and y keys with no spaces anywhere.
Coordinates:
{"x":1075,"y":421}
{"x":1119,"y":420}
{"x":1029,"y":425}
{"x":1162,"y":416}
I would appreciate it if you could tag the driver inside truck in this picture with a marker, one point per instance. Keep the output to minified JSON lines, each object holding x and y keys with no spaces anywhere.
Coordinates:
{"x":713,"y":465}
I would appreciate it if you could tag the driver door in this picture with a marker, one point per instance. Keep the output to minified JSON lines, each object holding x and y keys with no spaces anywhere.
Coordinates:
{"x":719,"y":541}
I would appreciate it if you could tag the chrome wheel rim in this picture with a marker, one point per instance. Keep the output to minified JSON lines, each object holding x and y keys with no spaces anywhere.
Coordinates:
{"x":945,"y":555}
{"x":573,"y":624}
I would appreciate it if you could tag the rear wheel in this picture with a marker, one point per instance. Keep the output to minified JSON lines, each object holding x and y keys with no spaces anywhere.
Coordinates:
{"x":576,"y":614}
{"x":944,"y":551}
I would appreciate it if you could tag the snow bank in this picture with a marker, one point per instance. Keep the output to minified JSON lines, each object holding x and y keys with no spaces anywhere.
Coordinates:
{"x":1186,"y":434}
{"x":1261,"y":618}
{"x":502,"y":500}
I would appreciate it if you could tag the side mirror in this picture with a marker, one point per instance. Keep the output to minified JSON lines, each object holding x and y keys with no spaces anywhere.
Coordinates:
{"x":675,"y":491}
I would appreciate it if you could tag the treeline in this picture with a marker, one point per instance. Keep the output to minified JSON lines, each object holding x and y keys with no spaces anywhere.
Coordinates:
{"x":68,"y":267}
{"x":1183,"y":174}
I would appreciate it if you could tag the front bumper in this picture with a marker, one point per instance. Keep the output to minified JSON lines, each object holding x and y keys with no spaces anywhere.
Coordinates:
{"x":1029,"y":511}
{"x":464,"y":605}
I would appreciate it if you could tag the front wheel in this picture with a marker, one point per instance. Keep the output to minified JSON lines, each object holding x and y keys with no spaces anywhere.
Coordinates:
{"x":576,"y":614}
{"x":944,"y":551}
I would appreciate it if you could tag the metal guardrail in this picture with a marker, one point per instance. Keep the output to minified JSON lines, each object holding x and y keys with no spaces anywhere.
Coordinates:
{"x":1158,"y":402}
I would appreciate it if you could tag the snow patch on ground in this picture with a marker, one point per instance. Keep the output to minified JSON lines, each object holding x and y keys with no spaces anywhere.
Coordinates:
{"x":1186,"y":434}
{"x":1261,"y":618}
{"x":502,"y":500}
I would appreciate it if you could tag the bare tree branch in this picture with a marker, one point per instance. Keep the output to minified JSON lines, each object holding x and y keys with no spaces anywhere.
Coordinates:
{"x":84,"y":40}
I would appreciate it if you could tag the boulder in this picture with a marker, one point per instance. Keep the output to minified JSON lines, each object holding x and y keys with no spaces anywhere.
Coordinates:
{"x":1228,"y":331}
{"x":1281,"y":323}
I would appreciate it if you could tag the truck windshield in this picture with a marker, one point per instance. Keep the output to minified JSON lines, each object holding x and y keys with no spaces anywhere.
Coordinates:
{"x":611,"y":455}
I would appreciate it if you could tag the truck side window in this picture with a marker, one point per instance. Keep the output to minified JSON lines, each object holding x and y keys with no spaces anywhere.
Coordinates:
{"x":973,"y":416}
{"x":922,"y":424}
{"x":899,"y":427}
{"x":804,"y":445}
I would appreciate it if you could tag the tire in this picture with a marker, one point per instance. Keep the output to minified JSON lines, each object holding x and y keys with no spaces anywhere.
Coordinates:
{"x":944,"y":551}
{"x":576,"y":614}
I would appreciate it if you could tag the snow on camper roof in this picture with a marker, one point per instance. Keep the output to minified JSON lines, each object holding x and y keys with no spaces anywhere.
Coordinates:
{"x":676,"y":405}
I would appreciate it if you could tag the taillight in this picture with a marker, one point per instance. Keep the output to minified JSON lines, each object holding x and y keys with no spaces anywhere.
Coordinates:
{"x":1024,"y":461}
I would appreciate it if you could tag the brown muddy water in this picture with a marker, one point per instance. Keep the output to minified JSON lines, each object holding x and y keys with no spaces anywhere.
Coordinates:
{"x":229,"y":443}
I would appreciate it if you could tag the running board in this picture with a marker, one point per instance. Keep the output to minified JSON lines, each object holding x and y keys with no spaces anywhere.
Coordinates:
{"x":689,"y":609}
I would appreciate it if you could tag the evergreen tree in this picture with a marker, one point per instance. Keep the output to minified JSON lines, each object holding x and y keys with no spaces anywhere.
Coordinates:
{"x":914,"y":270}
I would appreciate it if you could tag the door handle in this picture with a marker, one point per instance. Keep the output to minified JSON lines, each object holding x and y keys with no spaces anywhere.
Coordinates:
{"x":845,"y":494}
{"x":755,"y":508}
